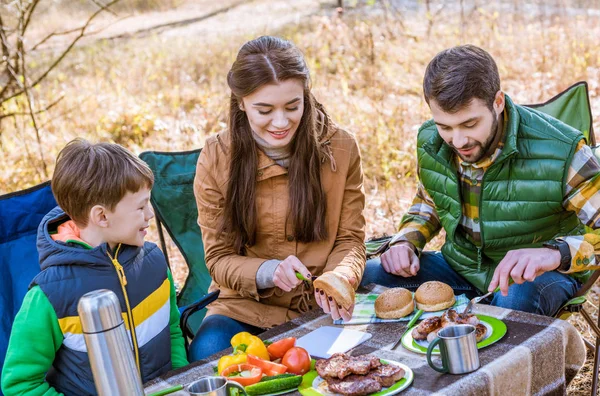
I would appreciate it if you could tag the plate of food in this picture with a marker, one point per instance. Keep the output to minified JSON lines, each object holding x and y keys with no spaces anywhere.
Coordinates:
{"x":346,"y":375}
{"x":488,"y":330}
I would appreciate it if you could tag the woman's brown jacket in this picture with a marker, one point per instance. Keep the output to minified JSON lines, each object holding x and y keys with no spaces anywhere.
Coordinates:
{"x":235,"y":275}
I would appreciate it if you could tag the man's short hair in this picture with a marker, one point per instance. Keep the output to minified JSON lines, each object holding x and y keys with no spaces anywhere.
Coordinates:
{"x":89,"y":174}
{"x":457,"y":75}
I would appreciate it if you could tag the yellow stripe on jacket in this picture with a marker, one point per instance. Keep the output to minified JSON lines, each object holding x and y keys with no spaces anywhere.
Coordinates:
{"x":150,"y":316}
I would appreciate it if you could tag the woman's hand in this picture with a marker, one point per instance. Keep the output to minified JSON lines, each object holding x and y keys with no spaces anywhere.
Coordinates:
{"x":284,"y":276}
{"x":330,"y":306}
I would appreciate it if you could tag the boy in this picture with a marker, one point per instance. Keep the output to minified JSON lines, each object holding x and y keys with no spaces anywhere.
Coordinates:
{"x":93,"y":240}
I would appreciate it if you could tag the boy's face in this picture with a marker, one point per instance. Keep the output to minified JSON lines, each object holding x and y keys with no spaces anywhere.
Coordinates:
{"x":471,"y":130}
{"x":128,"y":223}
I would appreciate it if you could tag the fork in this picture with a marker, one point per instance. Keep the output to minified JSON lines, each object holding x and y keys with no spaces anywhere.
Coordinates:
{"x":475,"y":300}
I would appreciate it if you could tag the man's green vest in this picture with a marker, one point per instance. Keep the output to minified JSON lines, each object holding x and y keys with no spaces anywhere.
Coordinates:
{"x":521,"y":192}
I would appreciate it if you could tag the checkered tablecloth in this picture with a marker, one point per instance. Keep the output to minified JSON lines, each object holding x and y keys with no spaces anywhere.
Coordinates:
{"x":538,"y":355}
{"x":364,"y":309}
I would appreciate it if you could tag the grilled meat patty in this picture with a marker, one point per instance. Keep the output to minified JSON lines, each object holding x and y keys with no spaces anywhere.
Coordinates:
{"x":354,"y":385}
{"x":340,"y":365}
{"x":480,"y":331}
{"x":426,"y":326}
{"x":387,"y":374}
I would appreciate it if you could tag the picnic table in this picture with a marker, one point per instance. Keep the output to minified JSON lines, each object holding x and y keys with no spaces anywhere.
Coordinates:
{"x":538,"y":355}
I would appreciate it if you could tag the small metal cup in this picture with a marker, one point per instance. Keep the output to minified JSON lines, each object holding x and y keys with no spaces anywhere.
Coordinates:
{"x":458,"y":350}
{"x":213,"y":386}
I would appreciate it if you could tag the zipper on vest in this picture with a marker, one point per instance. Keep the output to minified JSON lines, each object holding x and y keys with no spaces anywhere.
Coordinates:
{"x":123,"y":282}
{"x":480,"y":248}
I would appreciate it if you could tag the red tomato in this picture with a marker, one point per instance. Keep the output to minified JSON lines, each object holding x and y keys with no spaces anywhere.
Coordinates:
{"x":297,"y":360}
{"x":243,"y":374}
{"x":279,"y":348}
{"x":269,"y":368}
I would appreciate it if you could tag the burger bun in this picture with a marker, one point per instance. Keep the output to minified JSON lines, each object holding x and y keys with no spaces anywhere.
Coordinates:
{"x":434,"y":296}
{"x":394,"y":304}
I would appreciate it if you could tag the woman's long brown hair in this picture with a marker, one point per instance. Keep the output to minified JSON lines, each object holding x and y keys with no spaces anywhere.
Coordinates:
{"x":270,"y":60}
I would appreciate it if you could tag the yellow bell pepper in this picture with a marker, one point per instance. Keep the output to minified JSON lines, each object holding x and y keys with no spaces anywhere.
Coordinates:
{"x":230,"y":360}
{"x":250,"y":344}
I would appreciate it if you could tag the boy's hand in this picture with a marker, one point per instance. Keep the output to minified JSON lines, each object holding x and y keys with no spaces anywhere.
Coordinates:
{"x":284,"y":276}
{"x":401,"y":260}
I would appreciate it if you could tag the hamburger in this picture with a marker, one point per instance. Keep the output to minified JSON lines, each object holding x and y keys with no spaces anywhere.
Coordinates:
{"x":394,"y":303}
{"x":434,"y":296}
{"x":337,"y":287}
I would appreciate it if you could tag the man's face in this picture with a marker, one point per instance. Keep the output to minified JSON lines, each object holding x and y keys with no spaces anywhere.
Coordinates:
{"x":470,"y":131}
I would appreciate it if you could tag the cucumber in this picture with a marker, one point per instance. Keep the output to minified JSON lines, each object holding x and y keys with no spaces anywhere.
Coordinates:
{"x":275,"y":385}
{"x":274,"y":377}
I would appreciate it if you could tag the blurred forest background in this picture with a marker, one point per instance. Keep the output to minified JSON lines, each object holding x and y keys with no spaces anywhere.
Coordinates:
{"x":151,"y":75}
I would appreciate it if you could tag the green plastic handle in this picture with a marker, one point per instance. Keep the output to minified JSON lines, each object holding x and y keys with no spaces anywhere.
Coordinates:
{"x":510,"y":282}
{"x":414,"y":319}
{"x":408,"y":326}
{"x":303,"y":278}
{"x":444,"y":368}
{"x":166,"y":391}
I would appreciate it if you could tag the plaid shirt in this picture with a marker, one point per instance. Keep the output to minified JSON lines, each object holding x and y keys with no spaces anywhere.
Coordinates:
{"x":582,"y":197}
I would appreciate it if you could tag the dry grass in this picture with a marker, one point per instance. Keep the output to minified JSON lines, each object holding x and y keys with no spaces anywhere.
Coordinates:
{"x":168,"y":92}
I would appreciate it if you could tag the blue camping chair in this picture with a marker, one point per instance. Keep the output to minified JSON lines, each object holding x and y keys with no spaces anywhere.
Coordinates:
{"x":20,"y":214}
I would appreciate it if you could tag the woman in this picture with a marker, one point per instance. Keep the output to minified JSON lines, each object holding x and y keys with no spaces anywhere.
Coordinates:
{"x":278,"y":193}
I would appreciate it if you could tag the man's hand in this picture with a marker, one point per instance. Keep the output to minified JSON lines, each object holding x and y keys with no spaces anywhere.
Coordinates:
{"x":330,"y":306}
{"x":401,"y":260}
{"x":285,"y":273}
{"x":524,"y":265}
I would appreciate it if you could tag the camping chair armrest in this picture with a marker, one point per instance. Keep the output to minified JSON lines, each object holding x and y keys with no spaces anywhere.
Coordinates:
{"x":193,"y":308}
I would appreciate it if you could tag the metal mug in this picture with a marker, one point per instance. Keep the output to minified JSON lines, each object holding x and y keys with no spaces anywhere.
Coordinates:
{"x":458,"y":349}
{"x":213,"y":386}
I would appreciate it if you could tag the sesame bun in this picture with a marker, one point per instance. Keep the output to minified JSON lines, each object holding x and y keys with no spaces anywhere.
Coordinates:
{"x":434,"y":296}
{"x":336,"y":286}
{"x":394,"y":304}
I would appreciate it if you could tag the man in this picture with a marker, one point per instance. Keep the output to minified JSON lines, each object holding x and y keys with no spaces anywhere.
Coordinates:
{"x":512,"y":188}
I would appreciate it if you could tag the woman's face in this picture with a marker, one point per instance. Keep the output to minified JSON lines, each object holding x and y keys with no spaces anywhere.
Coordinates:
{"x":274,"y":111}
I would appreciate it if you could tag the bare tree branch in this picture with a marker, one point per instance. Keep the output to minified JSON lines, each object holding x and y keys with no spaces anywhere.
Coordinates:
{"x":102,"y":5}
{"x":82,"y":34}
{"x":53,"y":34}
{"x":29,"y":13}
{"x":22,"y":113}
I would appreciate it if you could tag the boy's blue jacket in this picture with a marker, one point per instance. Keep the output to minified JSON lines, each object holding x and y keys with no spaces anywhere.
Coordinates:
{"x":47,"y":351}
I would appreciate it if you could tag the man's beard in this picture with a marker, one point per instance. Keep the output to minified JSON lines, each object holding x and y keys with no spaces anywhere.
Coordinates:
{"x":483,"y":148}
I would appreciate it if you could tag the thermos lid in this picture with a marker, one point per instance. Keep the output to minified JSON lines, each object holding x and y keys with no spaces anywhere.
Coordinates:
{"x":99,"y":310}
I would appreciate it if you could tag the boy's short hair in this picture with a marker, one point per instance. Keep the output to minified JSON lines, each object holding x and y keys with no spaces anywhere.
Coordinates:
{"x":89,"y":174}
{"x":457,"y":75}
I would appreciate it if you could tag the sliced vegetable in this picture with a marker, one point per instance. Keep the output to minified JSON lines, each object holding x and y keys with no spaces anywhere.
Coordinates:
{"x":269,"y":368}
{"x":276,"y":385}
{"x":297,"y":360}
{"x":279,"y":348}
{"x":230,"y":360}
{"x":278,"y":376}
{"x":243,"y":374}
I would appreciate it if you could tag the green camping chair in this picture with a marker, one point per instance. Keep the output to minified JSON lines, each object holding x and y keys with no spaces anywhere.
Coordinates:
{"x":572,"y":106}
{"x":175,"y":209}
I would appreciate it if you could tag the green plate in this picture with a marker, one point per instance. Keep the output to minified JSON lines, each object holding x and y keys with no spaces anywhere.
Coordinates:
{"x":311,"y":380}
{"x":496,"y":330}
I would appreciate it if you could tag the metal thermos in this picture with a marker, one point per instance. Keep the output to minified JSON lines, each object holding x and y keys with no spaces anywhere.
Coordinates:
{"x":109,"y":349}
